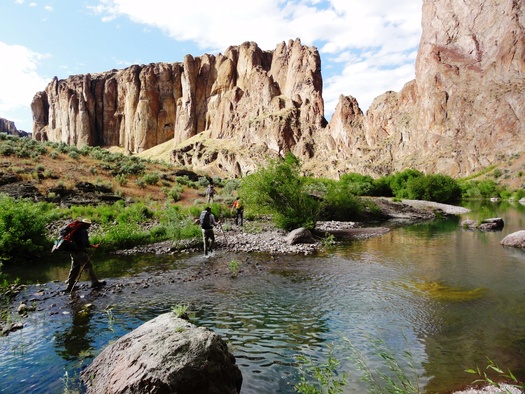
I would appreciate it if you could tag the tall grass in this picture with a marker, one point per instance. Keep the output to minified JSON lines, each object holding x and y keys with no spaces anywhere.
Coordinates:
{"x":401,"y":376}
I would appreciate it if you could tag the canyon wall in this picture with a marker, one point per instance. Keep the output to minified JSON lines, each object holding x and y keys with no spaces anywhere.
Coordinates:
{"x":226,"y":114}
{"x":465,"y":110}
{"x":262,"y":103}
{"x":8,"y":127}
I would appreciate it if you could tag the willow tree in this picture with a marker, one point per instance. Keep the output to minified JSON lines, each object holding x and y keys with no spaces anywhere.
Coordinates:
{"x":280,"y":189}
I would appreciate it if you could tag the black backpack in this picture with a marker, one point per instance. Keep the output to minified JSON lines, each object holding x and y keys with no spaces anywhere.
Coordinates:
{"x":205,"y":220}
{"x":64,"y":241}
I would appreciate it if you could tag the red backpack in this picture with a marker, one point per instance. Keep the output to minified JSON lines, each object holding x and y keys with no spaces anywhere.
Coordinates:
{"x":64,"y":241}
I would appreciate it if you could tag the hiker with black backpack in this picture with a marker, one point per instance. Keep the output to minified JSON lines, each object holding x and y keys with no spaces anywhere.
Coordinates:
{"x":207,"y":222}
{"x":78,"y":239}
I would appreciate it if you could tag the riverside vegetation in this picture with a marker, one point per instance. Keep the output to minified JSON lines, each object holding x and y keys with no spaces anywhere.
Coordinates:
{"x":156,"y":205}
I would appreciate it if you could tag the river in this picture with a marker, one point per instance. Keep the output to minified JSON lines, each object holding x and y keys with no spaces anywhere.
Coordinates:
{"x":433,"y":294}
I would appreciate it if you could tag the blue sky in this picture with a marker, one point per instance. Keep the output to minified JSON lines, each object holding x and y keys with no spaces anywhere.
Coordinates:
{"x":367,"y":47}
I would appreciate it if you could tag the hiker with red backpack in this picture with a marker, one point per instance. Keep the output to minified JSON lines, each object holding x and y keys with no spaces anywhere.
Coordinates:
{"x":77,"y":239}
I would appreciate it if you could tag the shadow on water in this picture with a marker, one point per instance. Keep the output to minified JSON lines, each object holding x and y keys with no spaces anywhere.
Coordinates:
{"x":449,"y":296}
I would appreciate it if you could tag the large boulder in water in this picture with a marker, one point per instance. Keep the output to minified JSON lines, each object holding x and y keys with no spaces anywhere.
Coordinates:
{"x":516,"y":239}
{"x":165,"y":355}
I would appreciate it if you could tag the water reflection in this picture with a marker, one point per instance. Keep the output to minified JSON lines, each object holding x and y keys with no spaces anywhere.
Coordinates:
{"x":73,"y":340}
{"x":449,"y":296}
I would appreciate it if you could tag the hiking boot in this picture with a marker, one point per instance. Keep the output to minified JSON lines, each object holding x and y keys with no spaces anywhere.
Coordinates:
{"x":98,"y":284}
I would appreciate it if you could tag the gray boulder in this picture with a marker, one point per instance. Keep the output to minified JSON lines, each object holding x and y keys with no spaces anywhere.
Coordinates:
{"x":516,"y":239}
{"x":491,"y":224}
{"x":299,"y":236}
{"x":165,"y":355}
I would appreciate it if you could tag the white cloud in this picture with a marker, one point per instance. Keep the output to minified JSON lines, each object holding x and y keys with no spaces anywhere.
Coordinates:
{"x":364,"y":82}
{"x":376,"y":39}
{"x":19,"y":79}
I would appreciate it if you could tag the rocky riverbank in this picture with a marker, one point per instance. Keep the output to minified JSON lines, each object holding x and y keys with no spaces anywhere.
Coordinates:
{"x":262,"y":236}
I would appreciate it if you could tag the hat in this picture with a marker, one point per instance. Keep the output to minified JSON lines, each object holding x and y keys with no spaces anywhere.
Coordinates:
{"x":87,"y":221}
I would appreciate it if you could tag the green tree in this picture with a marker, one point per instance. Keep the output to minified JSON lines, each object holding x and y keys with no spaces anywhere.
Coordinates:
{"x":340,"y":203}
{"x":399,"y":182}
{"x":486,"y":188}
{"x":279,"y":189}
{"x":359,"y":185}
{"x":436,"y":187}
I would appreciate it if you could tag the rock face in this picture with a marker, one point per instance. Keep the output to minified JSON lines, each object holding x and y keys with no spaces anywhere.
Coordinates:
{"x":463,"y":112}
{"x":262,"y":102}
{"x":8,"y":127}
{"x":165,"y":355}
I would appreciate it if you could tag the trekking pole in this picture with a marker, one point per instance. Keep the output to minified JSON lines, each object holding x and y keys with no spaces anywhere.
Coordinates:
{"x":79,"y":274}
{"x":223,"y":233}
{"x":82,"y":270}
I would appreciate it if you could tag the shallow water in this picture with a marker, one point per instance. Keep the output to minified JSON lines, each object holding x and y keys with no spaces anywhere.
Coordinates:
{"x":447,"y":297}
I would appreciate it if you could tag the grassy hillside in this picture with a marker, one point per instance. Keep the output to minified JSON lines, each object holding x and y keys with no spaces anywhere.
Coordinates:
{"x":50,"y":165}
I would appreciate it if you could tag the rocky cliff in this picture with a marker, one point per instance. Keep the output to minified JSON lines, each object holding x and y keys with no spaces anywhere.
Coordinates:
{"x":8,"y":127}
{"x":464,"y":111}
{"x":232,"y":110}
{"x":227,"y":113}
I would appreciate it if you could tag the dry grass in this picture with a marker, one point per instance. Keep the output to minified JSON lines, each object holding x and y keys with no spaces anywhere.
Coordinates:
{"x":48,"y":172}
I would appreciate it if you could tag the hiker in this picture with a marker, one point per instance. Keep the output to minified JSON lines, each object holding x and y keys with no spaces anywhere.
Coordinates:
{"x":239,"y":211}
{"x":210,"y":192}
{"x":207,"y":221}
{"x":80,"y":260}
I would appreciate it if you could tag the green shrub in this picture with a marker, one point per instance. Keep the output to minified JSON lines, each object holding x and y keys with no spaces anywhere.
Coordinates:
{"x":140,"y":183}
{"x":319,"y":379}
{"x":178,"y":224}
{"x":173,"y":194}
{"x":519,"y":194}
{"x":359,"y":185}
{"x":121,"y":179}
{"x":280,"y":189}
{"x":486,"y":188}
{"x":399,"y":182}
{"x":203,"y":181}
{"x":339,"y":203}
{"x":74,"y":155}
{"x":22,"y":228}
{"x":128,"y":166}
{"x":230,"y":186}
{"x":185,"y":181}
{"x":439,"y":188}
{"x":122,"y":235}
{"x":151,"y":178}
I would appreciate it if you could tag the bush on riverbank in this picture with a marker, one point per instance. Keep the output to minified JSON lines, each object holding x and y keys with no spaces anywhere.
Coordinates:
{"x":22,"y":227}
{"x":280,"y":190}
{"x":28,"y":229}
{"x":166,"y":204}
